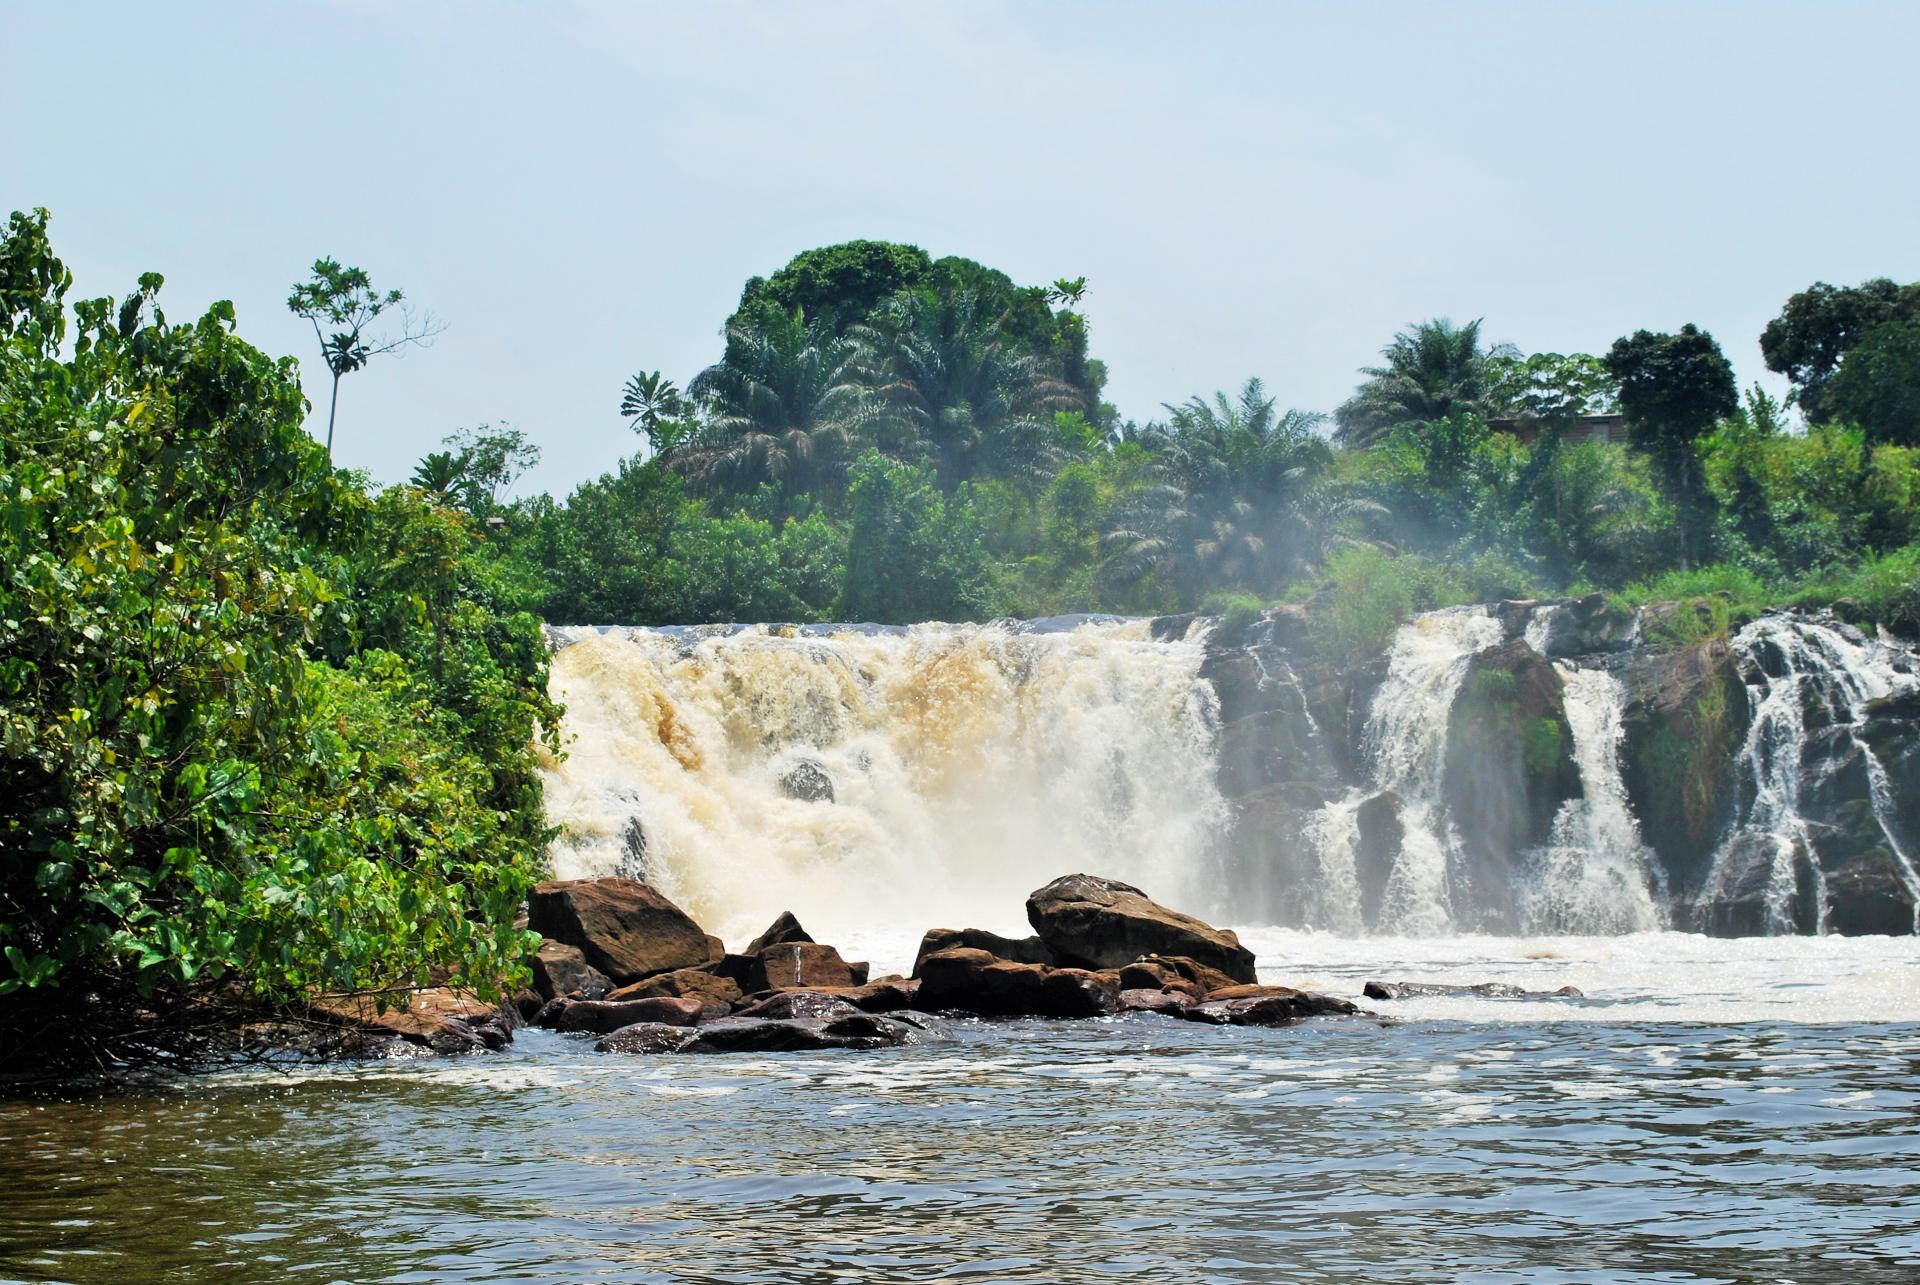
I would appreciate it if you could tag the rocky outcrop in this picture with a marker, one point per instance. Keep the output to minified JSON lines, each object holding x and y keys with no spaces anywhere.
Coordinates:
{"x":717,"y":994}
{"x":625,"y":929}
{"x":854,"y":1031}
{"x":1266,"y":1006}
{"x":601,"y":1016}
{"x":1685,"y":716}
{"x":1509,"y":767}
{"x":807,"y":781}
{"x":801,"y":964}
{"x":1095,"y":923}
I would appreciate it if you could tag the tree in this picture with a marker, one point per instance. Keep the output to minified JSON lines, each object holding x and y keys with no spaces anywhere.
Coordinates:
{"x":837,"y":286}
{"x":1673,"y":390}
{"x":783,"y":407}
{"x":1819,"y":326}
{"x":912,"y":553}
{"x":1549,"y":387}
{"x":1430,"y":370}
{"x":493,"y":459}
{"x":956,"y":385}
{"x":441,"y":474}
{"x":657,"y":409}
{"x":1068,"y":290}
{"x":344,"y":309}
{"x":1878,"y":386}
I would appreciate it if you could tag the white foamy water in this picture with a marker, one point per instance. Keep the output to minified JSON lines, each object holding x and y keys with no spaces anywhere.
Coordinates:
{"x":1634,"y":977}
{"x":1595,"y":875}
{"x":969,"y":764}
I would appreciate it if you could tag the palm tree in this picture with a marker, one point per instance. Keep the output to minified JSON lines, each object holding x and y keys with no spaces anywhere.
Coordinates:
{"x":442,"y":475}
{"x":651,"y":401}
{"x":1226,"y":504}
{"x":783,"y":406}
{"x":953,"y":385}
{"x":1431,"y":370}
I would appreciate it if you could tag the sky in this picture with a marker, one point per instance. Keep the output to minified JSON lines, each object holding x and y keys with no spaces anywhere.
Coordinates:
{"x":579,"y":190}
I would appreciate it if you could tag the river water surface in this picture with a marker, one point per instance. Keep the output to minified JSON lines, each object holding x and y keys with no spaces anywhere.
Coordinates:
{"x":1713,"y":1111}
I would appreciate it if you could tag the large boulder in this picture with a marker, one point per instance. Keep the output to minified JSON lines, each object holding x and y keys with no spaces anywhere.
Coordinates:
{"x":625,"y":929}
{"x":852,"y":1031}
{"x":1102,"y":923}
{"x":801,"y":964}
{"x":1018,"y":950}
{"x":560,"y":969}
{"x":973,"y":981}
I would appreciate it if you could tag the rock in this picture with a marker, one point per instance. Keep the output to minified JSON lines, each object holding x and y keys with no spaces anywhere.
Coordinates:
{"x":647,"y":1037}
{"x":782,"y":931}
{"x":1686,"y":714}
{"x":1102,"y":923}
{"x":1154,"y":1001}
{"x":603,"y":1016}
{"x":855,"y":1031}
{"x":560,"y":969}
{"x":526,"y":1002}
{"x":625,"y":929}
{"x":1193,"y":971}
{"x":883,"y":995}
{"x":1153,"y":975}
{"x":1379,"y":832}
{"x":633,"y":851}
{"x":441,"y":1019}
{"x":787,"y":1005}
{"x":801,"y":965}
{"x":719,"y":995}
{"x":1482,"y":990}
{"x":1509,"y":766}
{"x":1019,"y":950}
{"x":1266,"y":1006}
{"x":735,"y":968}
{"x":808,"y":782}
{"x":975,"y":982}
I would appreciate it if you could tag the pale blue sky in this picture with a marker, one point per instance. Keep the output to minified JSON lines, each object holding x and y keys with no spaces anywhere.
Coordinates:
{"x":580,"y":189}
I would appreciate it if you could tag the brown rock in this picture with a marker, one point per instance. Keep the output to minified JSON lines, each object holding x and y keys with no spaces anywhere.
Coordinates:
{"x":602,"y":1016}
{"x":442,"y":1019}
{"x":719,"y":994}
{"x":1266,"y":1006}
{"x":1153,"y":1001}
{"x":1102,"y":923}
{"x":974,"y":981}
{"x":782,"y":931}
{"x":647,"y":1037}
{"x":1020,"y":950}
{"x":800,"y":965}
{"x":560,"y":969}
{"x":625,"y":929}
{"x":787,"y":1005}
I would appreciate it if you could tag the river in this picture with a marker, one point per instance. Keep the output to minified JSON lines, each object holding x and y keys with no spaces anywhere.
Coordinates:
{"x":1712,"y":1111}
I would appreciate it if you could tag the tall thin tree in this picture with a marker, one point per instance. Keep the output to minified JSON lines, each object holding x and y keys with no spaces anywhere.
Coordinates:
{"x":344,"y":309}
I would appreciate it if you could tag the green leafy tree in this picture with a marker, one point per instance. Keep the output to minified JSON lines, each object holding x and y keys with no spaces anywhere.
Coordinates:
{"x":837,"y":286}
{"x":442,"y":475}
{"x":346,"y":314}
{"x":1819,"y":326}
{"x":1674,"y":388}
{"x":912,"y":553}
{"x":1549,"y":387}
{"x":1878,"y":386}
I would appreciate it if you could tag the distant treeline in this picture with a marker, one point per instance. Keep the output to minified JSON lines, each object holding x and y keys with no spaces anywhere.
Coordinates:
{"x":890,"y":437}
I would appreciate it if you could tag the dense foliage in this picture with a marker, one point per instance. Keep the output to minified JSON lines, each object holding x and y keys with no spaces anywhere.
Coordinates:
{"x":781,"y":483}
{"x":261,"y":732}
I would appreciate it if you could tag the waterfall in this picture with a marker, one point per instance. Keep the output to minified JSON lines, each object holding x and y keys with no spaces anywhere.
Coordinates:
{"x":1594,"y":875}
{"x":1405,"y":747}
{"x":1794,"y":668}
{"x":966,"y":765}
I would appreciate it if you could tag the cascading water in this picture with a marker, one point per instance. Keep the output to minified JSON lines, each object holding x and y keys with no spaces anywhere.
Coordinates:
{"x":967,"y":766}
{"x":1594,"y":875}
{"x":1405,"y":747}
{"x":1794,"y":668}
